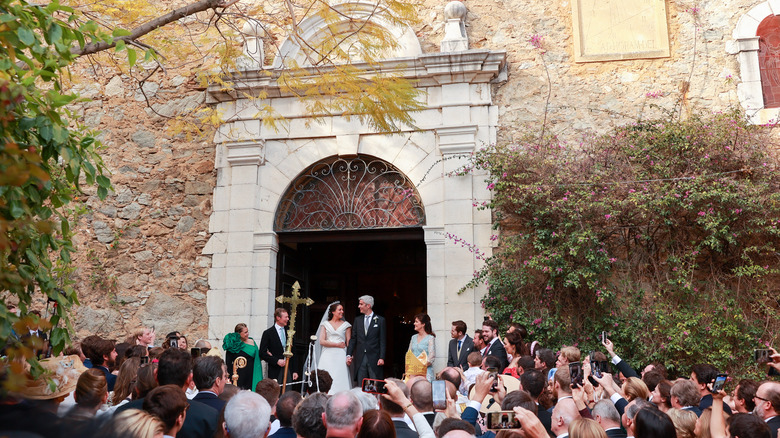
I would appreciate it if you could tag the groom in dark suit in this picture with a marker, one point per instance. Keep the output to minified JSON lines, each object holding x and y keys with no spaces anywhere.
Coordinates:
{"x":272,"y":346}
{"x":460,"y":346}
{"x":367,"y":346}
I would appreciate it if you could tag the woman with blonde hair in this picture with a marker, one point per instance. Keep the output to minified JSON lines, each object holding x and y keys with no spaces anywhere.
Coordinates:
{"x":132,"y":423}
{"x":634,"y":388}
{"x":586,"y":428}
{"x":684,"y":422}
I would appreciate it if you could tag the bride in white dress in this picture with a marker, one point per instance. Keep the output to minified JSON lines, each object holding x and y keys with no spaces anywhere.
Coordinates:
{"x":333,"y":336}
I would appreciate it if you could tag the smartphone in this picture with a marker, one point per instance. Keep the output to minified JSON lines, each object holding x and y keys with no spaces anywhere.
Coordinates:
{"x":772,"y":372}
{"x":502,"y":420}
{"x":595,"y":368}
{"x":762,"y":356}
{"x":720,"y":380}
{"x":195,"y":352}
{"x":174,"y":343}
{"x":575,"y":372}
{"x":493,"y":372}
{"x":374,"y":386}
{"x":144,"y":360}
{"x":603,"y":337}
{"x":439,"y":394}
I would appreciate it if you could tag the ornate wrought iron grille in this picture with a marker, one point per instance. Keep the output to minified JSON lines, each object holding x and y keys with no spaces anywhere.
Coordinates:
{"x":350,"y":194}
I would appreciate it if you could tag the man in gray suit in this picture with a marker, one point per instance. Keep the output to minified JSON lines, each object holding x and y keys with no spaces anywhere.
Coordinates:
{"x":368,"y":342}
{"x":460,"y":346}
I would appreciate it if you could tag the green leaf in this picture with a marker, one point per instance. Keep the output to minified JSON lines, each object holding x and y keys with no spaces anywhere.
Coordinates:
{"x":102,"y":192}
{"x":55,"y":33}
{"x":120,"y":45}
{"x":103,"y":181}
{"x":26,"y":36}
{"x":131,"y":56}
{"x":16,"y":208}
{"x":120,"y":32}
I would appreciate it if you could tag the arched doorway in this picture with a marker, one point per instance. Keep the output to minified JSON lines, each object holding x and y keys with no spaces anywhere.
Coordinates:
{"x":349,"y":227}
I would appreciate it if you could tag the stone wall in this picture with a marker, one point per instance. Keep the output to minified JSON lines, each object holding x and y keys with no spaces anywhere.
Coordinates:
{"x":140,"y":259}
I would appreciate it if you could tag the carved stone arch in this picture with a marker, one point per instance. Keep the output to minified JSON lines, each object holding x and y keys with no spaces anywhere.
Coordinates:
{"x":745,"y":45}
{"x":316,"y":28}
{"x":362,"y":192}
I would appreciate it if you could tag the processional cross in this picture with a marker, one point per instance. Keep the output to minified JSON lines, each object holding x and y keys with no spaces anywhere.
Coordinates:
{"x":295,"y":300}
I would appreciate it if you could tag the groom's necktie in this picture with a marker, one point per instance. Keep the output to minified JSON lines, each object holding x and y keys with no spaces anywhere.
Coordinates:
{"x":366,"y":322}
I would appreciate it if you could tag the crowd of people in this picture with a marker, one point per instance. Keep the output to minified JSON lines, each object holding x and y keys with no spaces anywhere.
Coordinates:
{"x":494,"y":384}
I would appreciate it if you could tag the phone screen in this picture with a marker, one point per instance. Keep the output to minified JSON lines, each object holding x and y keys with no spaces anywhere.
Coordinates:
{"x":502,"y":420}
{"x":575,"y":372}
{"x":603,"y":337}
{"x":595,"y":368}
{"x":719,"y":382}
{"x":374,"y":386}
{"x":439,"y":394}
{"x":762,"y":356}
{"x":493,"y":372}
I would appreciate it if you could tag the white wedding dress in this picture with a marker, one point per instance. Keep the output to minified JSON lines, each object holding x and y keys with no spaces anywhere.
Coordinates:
{"x":334,"y":360}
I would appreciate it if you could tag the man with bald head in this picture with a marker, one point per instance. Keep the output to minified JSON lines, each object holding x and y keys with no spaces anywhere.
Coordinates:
{"x":343,"y":415}
{"x":563,"y":414}
{"x":768,"y":405}
{"x":421,"y":397}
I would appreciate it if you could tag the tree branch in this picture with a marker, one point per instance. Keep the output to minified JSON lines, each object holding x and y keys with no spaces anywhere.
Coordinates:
{"x":156,"y":23}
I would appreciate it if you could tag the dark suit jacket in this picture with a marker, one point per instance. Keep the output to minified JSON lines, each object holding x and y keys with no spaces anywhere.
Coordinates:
{"x":271,"y":342}
{"x":497,"y":349}
{"x":110,"y":378}
{"x":616,"y":433}
{"x":626,"y":369}
{"x":200,"y":422}
{"x":706,"y":402}
{"x":402,"y":430}
{"x":470,"y":415}
{"x":694,"y":409}
{"x":371,"y":344}
{"x":210,"y":399}
{"x":453,"y":360}
{"x":774,"y":424}
{"x":545,"y":417}
{"x":284,"y":432}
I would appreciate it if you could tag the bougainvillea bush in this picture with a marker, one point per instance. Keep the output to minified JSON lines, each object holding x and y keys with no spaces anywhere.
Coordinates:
{"x":665,"y":234}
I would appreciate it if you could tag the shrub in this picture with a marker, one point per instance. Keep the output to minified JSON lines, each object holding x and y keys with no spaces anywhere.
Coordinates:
{"x":665,"y":234}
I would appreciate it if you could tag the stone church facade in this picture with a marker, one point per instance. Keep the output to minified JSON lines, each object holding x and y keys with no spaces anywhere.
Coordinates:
{"x":200,"y":236}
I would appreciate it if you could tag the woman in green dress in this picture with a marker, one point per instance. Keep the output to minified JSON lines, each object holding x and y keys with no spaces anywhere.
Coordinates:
{"x":239,"y":344}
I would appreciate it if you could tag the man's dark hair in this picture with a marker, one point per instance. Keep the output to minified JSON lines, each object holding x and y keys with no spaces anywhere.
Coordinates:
{"x":286,"y":406}
{"x":746,"y":390}
{"x":533,"y":381}
{"x":450,"y":424}
{"x":705,"y":373}
{"x":269,"y":389}
{"x":651,"y":422}
{"x":166,"y":402}
{"x":422,"y":397}
{"x":451,"y":375}
{"x":520,"y":328}
{"x":547,"y":356}
{"x":490,"y":323}
{"x":659,"y":367}
{"x":519,"y":398}
{"x":98,"y":348}
{"x":526,"y":363}
{"x":174,"y":367}
{"x":228,"y":392}
{"x":493,"y":362}
{"x":747,"y":426}
{"x":307,"y":417}
{"x":652,"y":379}
{"x":206,"y":371}
{"x":391,"y":407}
{"x":460,"y":326}
{"x":321,"y":381}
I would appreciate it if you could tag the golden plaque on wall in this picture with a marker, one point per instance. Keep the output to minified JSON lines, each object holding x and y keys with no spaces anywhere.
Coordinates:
{"x":611,"y":30}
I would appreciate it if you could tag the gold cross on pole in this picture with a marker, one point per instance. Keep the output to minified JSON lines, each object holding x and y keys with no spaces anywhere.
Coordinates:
{"x":295,"y":300}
